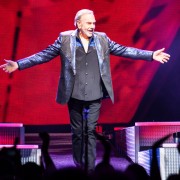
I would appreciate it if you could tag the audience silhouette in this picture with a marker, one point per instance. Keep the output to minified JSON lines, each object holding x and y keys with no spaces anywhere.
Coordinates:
{"x":11,"y":167}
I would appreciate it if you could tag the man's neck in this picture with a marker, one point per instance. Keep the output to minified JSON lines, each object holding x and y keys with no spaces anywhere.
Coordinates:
{"x":83,"y":37}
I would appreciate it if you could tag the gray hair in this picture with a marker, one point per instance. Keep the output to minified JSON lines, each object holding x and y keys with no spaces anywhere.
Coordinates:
{"x":80,"y":13}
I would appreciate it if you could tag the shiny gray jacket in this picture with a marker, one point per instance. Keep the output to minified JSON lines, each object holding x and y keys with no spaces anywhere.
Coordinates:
{"x":65,"y":46}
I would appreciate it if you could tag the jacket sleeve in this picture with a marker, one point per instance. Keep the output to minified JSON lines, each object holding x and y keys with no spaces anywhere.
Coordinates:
{"x":129,"y":52}
{"x":43,"y":56}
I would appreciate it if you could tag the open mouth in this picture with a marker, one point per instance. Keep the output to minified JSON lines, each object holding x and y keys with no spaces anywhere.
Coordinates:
{"x":90,"y":31}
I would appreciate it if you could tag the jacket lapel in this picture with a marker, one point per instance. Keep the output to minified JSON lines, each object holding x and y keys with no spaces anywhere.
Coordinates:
{"x":73,"y":50}
{"x":99,"y":50}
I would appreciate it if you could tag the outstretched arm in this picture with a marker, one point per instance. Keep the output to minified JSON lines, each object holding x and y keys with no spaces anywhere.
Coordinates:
{"x":9,"y":66}
{"x":160,"y":56}
{"x":43,"y":56}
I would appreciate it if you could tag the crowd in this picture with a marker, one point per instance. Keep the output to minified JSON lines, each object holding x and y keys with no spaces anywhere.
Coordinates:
{"x":11,"y":167}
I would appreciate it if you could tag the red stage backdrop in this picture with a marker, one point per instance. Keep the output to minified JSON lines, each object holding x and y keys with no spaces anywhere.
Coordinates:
{"x":28,"y":96}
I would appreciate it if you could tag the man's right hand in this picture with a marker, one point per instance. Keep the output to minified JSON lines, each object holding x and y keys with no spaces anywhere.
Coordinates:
{"x":9,"y":66}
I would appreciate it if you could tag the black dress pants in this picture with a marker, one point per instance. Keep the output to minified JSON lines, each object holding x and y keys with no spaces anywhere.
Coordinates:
{"x":83,"y":119}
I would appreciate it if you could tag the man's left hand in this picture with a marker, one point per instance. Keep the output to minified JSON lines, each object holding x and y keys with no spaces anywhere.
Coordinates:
{"x":161,"y":56}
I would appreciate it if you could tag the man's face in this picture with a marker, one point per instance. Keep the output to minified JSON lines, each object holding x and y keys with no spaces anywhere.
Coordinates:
{"x":86,"y":25}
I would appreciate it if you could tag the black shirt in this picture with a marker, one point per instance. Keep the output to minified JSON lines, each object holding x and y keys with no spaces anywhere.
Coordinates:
{"x":87,"y":86}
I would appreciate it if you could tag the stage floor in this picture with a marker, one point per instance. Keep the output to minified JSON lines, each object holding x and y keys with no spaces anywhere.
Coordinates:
{"x":65,"y":160}
{"x":61,"y":150}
